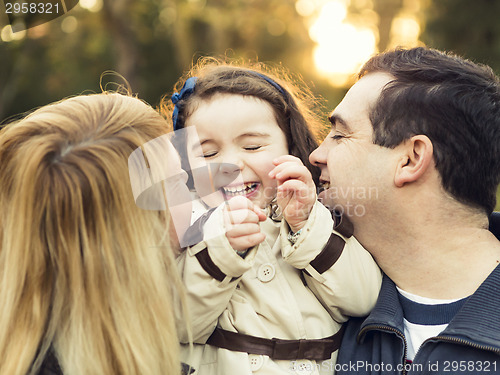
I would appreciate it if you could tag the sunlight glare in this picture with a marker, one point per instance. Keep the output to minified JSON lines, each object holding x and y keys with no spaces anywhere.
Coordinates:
{"x":332,"y":14}
{"x":305,"y":7}
{"x":341,"y":47}
{"x":91,"y":5}
{"x":405,"y":31}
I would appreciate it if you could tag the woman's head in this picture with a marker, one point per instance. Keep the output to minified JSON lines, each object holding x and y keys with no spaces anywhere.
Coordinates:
{"x":83,"y":269}
{"x":290,"y":108}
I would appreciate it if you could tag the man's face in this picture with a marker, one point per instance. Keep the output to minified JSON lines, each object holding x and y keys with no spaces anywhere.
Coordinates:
{"x":355,"y":171}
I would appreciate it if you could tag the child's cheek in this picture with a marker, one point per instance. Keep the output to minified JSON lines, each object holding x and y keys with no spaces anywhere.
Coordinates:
{"x":266,"y":167}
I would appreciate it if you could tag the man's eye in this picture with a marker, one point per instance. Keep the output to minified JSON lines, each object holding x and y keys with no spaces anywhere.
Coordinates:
{"x":252,"y":147}
{"x":337,"y":136}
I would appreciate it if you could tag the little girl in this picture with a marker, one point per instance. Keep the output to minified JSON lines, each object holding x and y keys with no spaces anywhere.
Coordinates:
{"x":274,"y":277}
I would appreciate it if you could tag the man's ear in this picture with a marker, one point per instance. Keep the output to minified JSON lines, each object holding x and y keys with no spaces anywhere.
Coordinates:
{"x":415,"y":160}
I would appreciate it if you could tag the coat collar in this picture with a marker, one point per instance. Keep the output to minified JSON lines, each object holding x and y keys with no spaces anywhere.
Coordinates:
{"x":477,"y":320}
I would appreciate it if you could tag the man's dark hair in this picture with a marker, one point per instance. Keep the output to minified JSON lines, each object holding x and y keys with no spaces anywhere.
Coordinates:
{"x":454,"y":102}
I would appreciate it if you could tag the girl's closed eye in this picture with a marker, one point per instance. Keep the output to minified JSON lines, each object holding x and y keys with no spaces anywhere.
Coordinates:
{"x":209,"y":154}
{"x":252,"y":147}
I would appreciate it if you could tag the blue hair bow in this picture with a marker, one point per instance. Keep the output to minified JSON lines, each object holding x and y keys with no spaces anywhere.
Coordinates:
{"x":186,"y":90}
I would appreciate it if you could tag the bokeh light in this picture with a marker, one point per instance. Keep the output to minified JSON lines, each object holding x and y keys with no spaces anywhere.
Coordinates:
{"x":305,"y":7}
{"x":276,"y":27}
{"x":69,"y":24}
{"x":341,"y":47}
{"x":91,"y":5}
{"x":405,"y":31}
{"x":7,"y":35}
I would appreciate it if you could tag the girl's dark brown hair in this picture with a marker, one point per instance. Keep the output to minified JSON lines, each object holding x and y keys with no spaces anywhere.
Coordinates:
{"x":294,"y":107}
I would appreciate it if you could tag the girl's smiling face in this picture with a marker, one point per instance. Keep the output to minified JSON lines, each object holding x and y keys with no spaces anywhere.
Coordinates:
{"x":239,"y":138}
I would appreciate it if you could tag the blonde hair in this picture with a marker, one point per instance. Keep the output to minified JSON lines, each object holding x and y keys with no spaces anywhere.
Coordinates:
{"x":83,"y":271}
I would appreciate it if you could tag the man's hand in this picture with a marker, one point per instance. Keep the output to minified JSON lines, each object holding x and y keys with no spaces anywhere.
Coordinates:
{"x":296,"y":190}
{"x":241,"y":218}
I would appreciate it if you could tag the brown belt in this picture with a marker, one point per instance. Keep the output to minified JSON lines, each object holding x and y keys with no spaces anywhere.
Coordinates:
{"x":315,"y":349}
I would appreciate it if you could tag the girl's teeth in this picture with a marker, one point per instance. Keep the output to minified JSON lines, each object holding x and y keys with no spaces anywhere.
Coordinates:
{"x":238,"y":190}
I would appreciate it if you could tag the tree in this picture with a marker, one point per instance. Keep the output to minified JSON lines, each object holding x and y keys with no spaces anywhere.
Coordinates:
{"x":468,"y":28}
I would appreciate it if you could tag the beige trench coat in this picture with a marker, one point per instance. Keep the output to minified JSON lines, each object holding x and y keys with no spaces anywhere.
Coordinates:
{"x":269,"y":298}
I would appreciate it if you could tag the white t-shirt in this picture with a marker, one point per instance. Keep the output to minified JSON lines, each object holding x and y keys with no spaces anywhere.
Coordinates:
{"x":425,"y":318}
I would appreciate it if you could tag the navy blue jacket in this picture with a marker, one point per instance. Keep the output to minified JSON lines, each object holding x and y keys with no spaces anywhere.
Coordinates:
{"x":469,"y":345}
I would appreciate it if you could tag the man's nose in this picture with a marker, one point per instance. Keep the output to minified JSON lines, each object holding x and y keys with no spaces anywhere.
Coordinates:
{"x":318,"y":156}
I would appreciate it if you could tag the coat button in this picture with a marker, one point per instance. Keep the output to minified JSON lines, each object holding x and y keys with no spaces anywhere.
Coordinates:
{"x":304,"y":367}
{"x":256,"y":362}
{"x":266,"y":272}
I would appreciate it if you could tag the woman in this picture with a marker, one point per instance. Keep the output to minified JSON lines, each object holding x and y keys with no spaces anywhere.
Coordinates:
{"x":87,"y":280}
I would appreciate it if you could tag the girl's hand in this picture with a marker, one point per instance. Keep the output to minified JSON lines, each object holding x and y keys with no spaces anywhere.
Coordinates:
{"x":241,"y":218}
{"x":296,"y":190}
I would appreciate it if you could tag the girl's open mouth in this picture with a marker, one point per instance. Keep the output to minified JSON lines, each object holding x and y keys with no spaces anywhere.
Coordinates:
{"x":324,"y":185}
{"x":246,"y":190}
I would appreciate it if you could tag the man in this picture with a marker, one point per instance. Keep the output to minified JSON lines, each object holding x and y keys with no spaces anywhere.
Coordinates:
{"x":419,"y":134}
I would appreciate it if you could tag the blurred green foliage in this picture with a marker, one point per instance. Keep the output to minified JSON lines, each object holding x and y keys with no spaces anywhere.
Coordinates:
{"x":151,"y":43}
{"x":468,"y":28}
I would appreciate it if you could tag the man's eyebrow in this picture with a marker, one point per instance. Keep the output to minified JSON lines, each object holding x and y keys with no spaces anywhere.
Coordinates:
{"x":338,"y":120}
